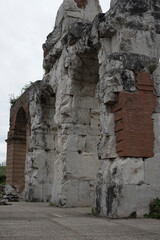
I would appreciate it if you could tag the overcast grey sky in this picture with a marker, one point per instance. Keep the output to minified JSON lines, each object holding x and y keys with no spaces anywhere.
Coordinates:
{"x":24,"y":25}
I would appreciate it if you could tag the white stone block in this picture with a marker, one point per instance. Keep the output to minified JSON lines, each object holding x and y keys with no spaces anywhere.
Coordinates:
{"x":107,"y":147}
{"x":82,"y":166}
{"x":83,"y":116}
{"x":78,"y":194}
{"x":108,"y":124}
{"x":85,"y":102}
{"x":110,"y":98}
{"x":152,"y":171}
{"x":127,"y":171}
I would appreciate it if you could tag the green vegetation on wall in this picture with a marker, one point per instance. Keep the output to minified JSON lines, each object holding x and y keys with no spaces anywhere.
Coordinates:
{"x":154,"y":209}
{"x":13,"y":99}
{"x":2,"y":175}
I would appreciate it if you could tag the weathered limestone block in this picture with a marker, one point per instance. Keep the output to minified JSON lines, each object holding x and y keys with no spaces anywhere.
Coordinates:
{"x":152,"y":166}
{"x":95,"y":121}
{"x":106,"y":195}
{"x":107,"y":124}
{"x":58,"y":197}
{"x":144,"y":42}
{"x":81,"y":193}
{"x":79,"y":129}
{"x":137,"y":205}
{"x":127,"y":171}
{"x":82,"y":166}
{"x":122,"y":188}
{"x":39,"y":175}
{"x":84,"y":116}
{"x":107,"y":147}
{"x":85,"y":102}
{"x":43,"y":141}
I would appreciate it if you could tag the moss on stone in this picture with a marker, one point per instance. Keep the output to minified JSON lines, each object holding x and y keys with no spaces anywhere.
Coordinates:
{"x":152,"y":68}
{"x":154,"y":209}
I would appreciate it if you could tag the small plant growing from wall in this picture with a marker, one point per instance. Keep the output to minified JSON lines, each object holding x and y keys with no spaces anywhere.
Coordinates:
{"x":154,"y":209}
{"x":152,"y":68}
{"x":26,"y":87}
{"x":13,"y":99}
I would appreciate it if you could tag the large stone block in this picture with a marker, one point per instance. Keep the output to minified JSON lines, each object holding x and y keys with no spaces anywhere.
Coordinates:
{"x":152,"y":170}
{"x":83,"y":116}
{"x":82,"y":166}
{"x":108,"y":124}
{"x":127,"y":186}
{"x":136,"y":199}
{"x":91,"y":144}
{"x":127,"y":171}
{"x":79,"y":193}
{"x":85,"y":102}
{"x":107,"y":147}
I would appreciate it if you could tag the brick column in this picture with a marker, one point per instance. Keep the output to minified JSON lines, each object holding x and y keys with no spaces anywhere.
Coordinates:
{"x":16,"y":153}
{"x":17,"y":146}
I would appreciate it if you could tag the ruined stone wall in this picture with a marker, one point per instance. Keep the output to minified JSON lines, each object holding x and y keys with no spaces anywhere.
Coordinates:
{"x":96,"y":111}
{"x":128,"y":90}
{"x":72,"y":157}
{"x":40,"y":158}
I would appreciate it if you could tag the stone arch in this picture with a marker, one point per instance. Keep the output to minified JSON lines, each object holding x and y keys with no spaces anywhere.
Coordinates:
{"x":17,"y":146}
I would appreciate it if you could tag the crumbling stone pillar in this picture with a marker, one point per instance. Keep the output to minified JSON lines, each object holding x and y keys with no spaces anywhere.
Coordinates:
{"x":39,"y":170}
{"x":74,"y":76}
{"x":128,"y":91}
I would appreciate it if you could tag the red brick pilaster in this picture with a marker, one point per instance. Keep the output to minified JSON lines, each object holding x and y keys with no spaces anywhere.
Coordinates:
{"x":133,"y":119}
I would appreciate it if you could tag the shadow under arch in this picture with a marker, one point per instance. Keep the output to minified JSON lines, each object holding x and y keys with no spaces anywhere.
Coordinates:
{"x":47,"y":102}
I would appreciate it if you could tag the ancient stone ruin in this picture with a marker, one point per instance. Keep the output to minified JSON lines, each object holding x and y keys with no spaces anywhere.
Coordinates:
{"x":88,"y":133}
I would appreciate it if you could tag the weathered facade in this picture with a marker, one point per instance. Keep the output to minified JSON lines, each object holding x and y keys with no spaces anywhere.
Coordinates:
{"x":90,"y":129}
